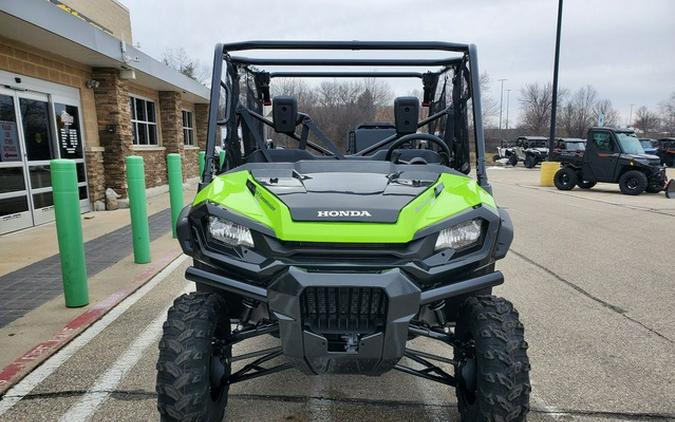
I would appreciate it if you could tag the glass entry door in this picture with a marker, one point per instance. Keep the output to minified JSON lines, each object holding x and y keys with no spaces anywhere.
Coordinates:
{"x":15,"y":206}
{"x":40,"y":148}
{"x":34,"y":129}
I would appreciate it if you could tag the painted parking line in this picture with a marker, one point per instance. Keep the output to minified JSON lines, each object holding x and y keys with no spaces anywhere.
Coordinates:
{"x":106,"y":383}
{"x":32,"y":380}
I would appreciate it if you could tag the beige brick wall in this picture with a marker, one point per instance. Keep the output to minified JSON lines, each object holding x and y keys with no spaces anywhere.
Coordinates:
{"x":19,"y":58}
{"x":109,"y":14}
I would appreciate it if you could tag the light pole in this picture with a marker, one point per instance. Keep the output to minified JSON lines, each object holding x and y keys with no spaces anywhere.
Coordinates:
{"x":554,"y":103}
{"x":501,"y":100}
{"x":508,"y":95}
{"x":630,"y":116}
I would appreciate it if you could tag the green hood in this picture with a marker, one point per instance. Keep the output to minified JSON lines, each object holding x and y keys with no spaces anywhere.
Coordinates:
{"x":252,"y":196}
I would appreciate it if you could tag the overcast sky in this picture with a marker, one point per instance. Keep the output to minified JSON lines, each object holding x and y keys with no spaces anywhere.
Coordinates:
{"x":624,"y":48}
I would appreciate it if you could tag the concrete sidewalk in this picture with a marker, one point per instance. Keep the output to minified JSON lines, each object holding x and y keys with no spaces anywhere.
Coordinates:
{"x":34,"y":321}
{"x":28,"y":246}
{"x":29,"y":286}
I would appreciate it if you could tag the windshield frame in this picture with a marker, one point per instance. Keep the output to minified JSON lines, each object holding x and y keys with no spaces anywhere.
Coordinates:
{"x":629,"y":143}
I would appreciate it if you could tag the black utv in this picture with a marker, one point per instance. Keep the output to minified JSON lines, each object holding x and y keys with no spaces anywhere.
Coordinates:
{"x":666,"y":150}
{"x":612,"y":156}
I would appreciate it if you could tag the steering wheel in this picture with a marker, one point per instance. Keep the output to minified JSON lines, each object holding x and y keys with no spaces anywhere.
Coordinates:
{"x":424,"y":137}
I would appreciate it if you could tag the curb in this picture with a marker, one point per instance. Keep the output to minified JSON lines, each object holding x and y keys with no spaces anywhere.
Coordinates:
{"x":20,"y":367}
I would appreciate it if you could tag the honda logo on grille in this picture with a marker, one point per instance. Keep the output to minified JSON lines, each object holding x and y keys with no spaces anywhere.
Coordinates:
{"x":336,"y":213}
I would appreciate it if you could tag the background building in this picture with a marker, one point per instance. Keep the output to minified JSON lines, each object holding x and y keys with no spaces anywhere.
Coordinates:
{"x":73,"y":86}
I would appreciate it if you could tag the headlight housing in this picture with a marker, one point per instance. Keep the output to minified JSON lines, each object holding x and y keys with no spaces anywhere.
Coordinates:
{"x":228,"y":232}
{"x":460,"y":236}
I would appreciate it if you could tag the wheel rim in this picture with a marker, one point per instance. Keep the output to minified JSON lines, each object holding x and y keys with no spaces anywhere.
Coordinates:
{"x":564,"y":178}
{"x":632,"y":183}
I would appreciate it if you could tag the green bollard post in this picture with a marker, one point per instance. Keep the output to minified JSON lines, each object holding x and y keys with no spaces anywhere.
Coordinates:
{"x":140,"y":231}
{"x":173,"y":165}
{"x":69,"y":232}
{"x":202,"y":164}
{"x":221,"y":159}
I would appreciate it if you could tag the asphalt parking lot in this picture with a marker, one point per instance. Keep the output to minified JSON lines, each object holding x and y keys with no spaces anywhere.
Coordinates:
{"x":590,"y":272}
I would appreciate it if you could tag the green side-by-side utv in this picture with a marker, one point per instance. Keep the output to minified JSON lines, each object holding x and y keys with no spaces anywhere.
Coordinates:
{"x":344,"y":259}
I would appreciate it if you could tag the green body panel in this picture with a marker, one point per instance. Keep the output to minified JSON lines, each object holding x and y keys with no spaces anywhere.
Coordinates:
{"x":459,"y":193}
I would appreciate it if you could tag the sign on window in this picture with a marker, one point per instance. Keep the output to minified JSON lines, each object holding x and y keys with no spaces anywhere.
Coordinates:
{"x":68,"y":127}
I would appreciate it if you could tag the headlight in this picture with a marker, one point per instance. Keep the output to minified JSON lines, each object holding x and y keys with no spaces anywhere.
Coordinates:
{"x":229,"y":232}
{"x":460,"y":236}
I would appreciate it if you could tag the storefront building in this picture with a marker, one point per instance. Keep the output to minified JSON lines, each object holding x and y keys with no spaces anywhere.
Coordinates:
{"x":72,"y":86}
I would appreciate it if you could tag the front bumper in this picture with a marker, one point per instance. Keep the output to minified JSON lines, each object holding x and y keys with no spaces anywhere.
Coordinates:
{"x":659,"y":177}
{"x":336,"y":344}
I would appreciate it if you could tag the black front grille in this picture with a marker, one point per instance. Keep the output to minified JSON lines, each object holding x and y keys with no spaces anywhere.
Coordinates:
{"x":343,"y":309}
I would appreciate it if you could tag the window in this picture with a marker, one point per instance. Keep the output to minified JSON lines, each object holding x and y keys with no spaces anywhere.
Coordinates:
{"x":603,"y":142}
{"x":143,"y":121}
{"x":188,"y":131}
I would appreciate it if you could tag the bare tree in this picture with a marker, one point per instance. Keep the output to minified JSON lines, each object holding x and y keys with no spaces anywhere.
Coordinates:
{"x":535,"y":104}
{"x":565,"y":119}
{"x":582,"y":111}
{"x":667,"y":114}
{"x":490,"y":105}
{"x":604,"y":108}
{"x":179,"y":60}
{"x":583,"y":101}
{"x":339,"y":106}
{"x":646,"y":120}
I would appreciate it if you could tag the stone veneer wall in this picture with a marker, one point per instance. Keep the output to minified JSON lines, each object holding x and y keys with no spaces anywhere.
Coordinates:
{"x":191,"y":162}
{"x":95,"y":173}
{"x":154,"y":161}
{"x":114,"y":124}
{"x":201,"y":124}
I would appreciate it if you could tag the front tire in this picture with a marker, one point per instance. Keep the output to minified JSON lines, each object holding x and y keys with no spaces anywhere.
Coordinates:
{"x":493,"y":367}
{"x":190,"y":373}
{"x":513,"y":160}
{"x":565,"y":179}
{"x":633,"y":182}
{"x":530,"y":162}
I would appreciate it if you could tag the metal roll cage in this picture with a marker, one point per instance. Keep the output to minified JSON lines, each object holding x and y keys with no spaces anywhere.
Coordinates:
{"x":463,"y":63}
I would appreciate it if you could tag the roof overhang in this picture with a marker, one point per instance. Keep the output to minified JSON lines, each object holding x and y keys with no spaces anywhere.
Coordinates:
{"x":40,"y":24}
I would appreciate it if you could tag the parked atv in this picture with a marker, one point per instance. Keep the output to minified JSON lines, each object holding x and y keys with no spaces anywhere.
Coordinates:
{"x":344,"y":258}
{"x":532,"y":149}
{"x":613,"y":156}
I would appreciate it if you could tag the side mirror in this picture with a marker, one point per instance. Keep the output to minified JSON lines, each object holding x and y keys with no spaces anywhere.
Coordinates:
{"x":406,"y":114}
{"x":284,"y":114}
